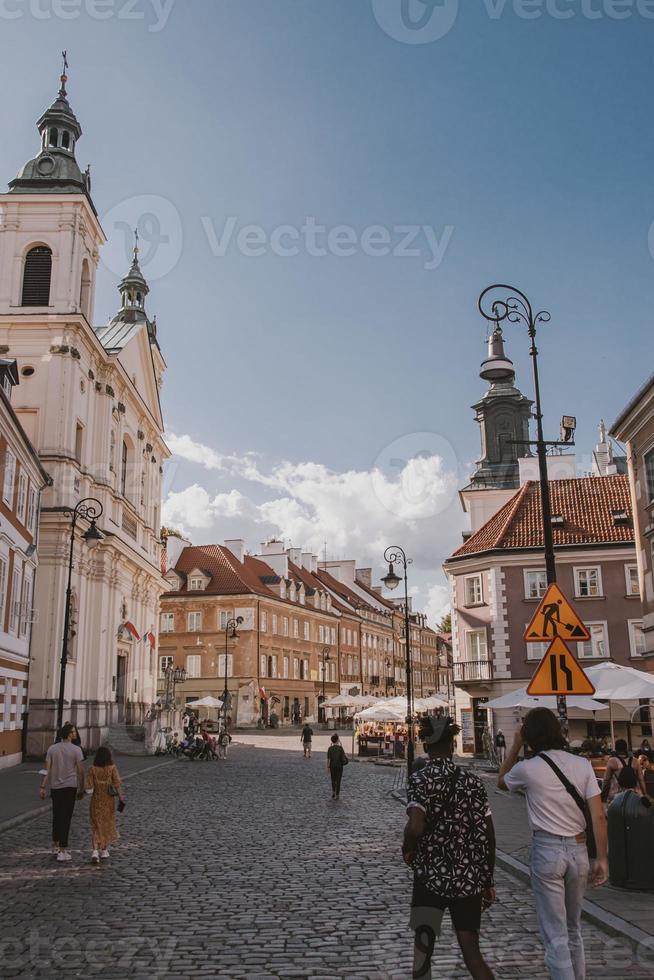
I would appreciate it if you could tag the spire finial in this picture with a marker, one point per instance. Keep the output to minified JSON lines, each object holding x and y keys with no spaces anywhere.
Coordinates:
{"x":136,"y":244}
{"x":63,"y":78}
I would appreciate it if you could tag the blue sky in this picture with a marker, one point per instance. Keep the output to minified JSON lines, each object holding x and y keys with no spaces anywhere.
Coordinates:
{"x":522,"y":144}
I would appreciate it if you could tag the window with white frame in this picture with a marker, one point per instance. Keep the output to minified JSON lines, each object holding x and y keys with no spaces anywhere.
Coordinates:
{"x":332,"y":669}
{"x":25,"y":606}
{"x":631,"y":579}
{"x":32,"y":504}
{"x":225,"y":616}
{"x":306,"y":630}
{"x":535,"y":583}
{"x":220,"y":665}
{"x":296,"y":629}
{"x":648,"y":460}
{"x":196,"y":584}
{"x":598,"y":646}
{"x":274,"y":622}
{"x":285,"y":668}
{"x":536,"y":651}
{"x":285,"y":626}
{"x":637,"y":641}
{"x":473,"y":589}
{"x":296,"y":668}
{"x":8,"y":481}
{"x":164,"y":664}
{"x":263,"y":665}
{"x":194,"y":665}
{"x":333,"y":635}
{"x":476,"y":645}
{"x":4,"y":566}
{"x":194,"y":622}
{"x":264,"y":621}
{"x":343,"y":635}
{"x":305,"y":673}
{"x":588,"y":582}
{"x":321,"y":633}
{"x":167,"y":622}
{"x":14,"y":600}
{"x":21,"y":497}
{"x":273,"y":665}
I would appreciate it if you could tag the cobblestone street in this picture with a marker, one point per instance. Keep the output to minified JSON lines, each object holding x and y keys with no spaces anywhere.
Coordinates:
{"x":248,"y":869}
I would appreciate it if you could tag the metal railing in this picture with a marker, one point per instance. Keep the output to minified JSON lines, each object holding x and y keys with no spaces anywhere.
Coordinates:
{"x":473,"y":670}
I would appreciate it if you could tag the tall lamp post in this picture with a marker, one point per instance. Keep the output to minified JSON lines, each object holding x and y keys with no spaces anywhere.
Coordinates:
{"x":396,"y":555}
{"x":230,"y":634}
{"x":324,"y":659}
{"x":496,"y":304}
{"x":387,"y":665}
{"x":91,"y":510}
{"x":173,"y":677}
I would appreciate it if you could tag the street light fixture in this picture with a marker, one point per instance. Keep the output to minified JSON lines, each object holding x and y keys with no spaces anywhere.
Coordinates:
{"x":324,"y":657}
{"x":396,"y":555}
{"x":387,"y":664}
{"x":514,"y":307}
{"x":90,"y":510}
{"x":173,"y":677}
{"x":230,"y":634}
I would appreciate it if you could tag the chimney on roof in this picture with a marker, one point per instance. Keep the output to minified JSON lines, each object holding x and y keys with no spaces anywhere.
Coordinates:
{"x":364,"y":576}
{"x":307,"y":561}
{"x":314,"y":563}
{"x":295,"y":555}
{"x":237,"y":547}
{"x":272,"y":547}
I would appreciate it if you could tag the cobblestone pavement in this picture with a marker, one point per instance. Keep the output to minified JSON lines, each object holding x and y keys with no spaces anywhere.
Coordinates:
{"x":247,"y":868}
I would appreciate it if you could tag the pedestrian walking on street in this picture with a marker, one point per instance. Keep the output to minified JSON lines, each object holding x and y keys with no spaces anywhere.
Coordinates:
{"x":336,"y":762}
{"x":500,"y":746}
{"x":305,"y":738}
{"x":103,"y":782}
{"x":65,"y":780}
{"x":223,"y":743}
{"x":622,"y":773}
{"x":565,"y":812}
{"x":449,"y":842}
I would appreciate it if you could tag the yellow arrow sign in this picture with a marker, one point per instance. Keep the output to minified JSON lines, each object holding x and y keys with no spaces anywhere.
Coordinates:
{"x":559,"y":673}
{"x":555,"y":617}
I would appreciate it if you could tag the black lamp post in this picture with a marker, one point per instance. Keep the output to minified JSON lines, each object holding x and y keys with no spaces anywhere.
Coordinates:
{"x":324,"y":657}
{"x":173,"y":677}
{"x":91,"y":510}
{"x":230,"y":634}
{"x":514,"y":307}
{"x":391,"y":580}
{"x":387,"y":664}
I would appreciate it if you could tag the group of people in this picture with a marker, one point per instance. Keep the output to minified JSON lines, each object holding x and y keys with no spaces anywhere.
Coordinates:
{"x":198,"y":745}
{"x":67,"y":783}
{"x":449,"y":842}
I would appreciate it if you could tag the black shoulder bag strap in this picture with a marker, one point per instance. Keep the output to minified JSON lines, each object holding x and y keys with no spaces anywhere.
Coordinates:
{"x":591,"y":846}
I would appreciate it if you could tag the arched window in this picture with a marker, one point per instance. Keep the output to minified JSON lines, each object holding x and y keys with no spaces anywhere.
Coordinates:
{"x":53,"y":137}
{"x":65,"y":140}
{"x":85,"y":290}
{"x":123,"y":469}
{"x":36,"y":277}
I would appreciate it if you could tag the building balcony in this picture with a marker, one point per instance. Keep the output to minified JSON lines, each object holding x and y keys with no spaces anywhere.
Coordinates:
{"x":471,"y":671}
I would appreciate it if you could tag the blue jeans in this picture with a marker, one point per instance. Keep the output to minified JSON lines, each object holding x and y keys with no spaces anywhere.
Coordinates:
{"x":559,"y":875}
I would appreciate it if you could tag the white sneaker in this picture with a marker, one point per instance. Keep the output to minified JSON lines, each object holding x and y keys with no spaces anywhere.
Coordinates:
{"x":95,"y":857}
{"x":64,"y":856}
{"x":104,"y":854}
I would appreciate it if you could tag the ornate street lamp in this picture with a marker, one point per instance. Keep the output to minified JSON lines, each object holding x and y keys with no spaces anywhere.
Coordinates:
{"x":90,"y":510}
{"x":324,"y":657}
{"x":396,"y":555}
{"x":513,"y":306}
{"x":387,"y":665}
{"x":173,"y":677}
{"x":230,"y":634}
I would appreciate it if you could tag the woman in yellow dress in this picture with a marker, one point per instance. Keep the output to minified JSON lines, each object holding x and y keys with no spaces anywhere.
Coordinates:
{"x":103,"y":782}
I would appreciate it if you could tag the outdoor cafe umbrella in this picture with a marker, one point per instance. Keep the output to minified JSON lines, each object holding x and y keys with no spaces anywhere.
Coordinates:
{"x":520,"y":699}
{"x":614,"y":683}
{"x":381,"y":712}
{"x":206,"y":702}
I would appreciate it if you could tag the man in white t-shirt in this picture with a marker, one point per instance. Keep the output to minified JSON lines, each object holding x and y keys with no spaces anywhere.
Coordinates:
{"x":559,"y":858}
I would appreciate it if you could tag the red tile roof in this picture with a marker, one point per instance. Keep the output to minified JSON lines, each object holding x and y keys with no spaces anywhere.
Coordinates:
{"x":587,"y":506}
{"x":227,"y":575}
{"x":347,"y":594}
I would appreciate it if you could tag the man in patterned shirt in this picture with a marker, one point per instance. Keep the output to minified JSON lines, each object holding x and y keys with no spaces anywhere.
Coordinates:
{"x":449,"y":841}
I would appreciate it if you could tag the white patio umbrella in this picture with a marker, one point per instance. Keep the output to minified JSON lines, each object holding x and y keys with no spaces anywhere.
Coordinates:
{"x":381,"y":712}
{"x":520,"y":699}
{"x":615,"y":683}
{"x":432,"y":702}
{"x":206,"y":702}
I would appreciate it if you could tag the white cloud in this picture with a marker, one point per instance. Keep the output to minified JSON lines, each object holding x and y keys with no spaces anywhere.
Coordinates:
{"x":358,"y":513}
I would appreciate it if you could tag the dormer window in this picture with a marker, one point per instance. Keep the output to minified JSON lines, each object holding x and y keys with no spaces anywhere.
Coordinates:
{"x":621,"y":518}
{"x":557,"y":520}
{"x":196,"y":584}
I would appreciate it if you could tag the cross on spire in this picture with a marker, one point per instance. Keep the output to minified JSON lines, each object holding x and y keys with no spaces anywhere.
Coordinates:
{"x":64,"y":77}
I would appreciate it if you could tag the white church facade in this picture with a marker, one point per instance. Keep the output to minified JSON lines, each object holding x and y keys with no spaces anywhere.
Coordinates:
{"x":89,"y":400}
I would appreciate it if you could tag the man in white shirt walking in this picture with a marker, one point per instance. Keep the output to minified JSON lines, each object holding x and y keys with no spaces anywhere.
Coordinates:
{"x":559,"y":857}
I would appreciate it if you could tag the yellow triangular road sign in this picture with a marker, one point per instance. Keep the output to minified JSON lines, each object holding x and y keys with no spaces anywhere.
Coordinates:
{"x":559,"y":673}
{"x":555,"y":617}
